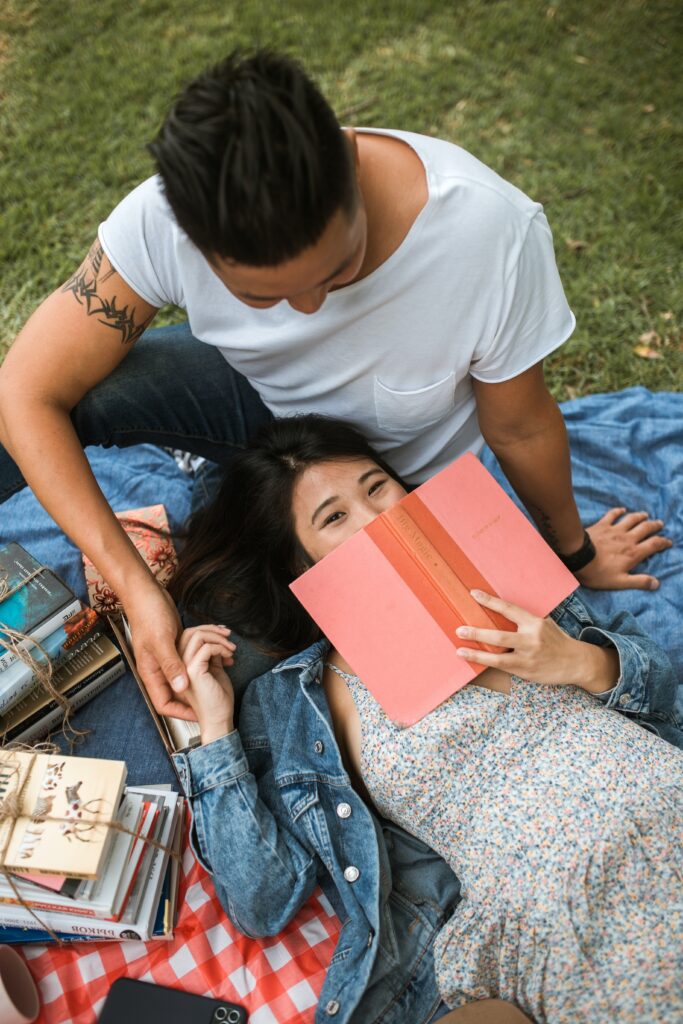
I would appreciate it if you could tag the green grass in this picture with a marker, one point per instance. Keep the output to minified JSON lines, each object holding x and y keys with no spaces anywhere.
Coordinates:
{"x":578,"y":103}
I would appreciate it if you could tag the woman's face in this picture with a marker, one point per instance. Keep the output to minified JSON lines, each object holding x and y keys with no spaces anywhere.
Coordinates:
{"x":334,"y":499}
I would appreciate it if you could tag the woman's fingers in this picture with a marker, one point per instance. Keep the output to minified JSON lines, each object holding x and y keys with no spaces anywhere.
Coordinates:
{"x":511,"y":611}
{"x":193,"y":638}
{"x":217,"y":633}
{"x":478,"y":657}
{"x":201,"y":659}
{"x":493,"y":637}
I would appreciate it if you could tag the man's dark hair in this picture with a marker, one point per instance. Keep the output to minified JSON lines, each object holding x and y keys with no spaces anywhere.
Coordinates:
{"x":253,"y":160}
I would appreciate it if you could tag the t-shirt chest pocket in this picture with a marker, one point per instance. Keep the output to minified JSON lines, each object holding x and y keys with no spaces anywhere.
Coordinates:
{"x":416,"y":408}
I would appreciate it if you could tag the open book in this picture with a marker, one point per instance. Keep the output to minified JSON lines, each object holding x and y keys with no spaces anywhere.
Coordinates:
{"x":176,"y":733}
{"x":391,"y":596}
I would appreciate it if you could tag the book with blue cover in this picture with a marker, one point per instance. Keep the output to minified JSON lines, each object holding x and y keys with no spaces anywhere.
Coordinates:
{"x":38,"y":607}
{"x":70,"y":637}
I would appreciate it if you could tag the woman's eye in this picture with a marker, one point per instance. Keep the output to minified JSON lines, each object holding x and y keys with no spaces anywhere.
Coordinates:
{"x":375,"y":487}
{"x":333,"y":518}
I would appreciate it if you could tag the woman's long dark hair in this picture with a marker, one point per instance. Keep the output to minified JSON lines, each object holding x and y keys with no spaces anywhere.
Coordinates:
{"x":241,"y":552}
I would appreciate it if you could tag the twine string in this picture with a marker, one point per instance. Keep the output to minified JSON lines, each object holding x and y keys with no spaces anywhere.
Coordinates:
{"x":11,"y":811}
{"x":16,"y":642}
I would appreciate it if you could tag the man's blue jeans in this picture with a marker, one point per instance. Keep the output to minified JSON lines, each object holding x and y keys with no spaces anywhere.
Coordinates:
{"x":170,"y":390}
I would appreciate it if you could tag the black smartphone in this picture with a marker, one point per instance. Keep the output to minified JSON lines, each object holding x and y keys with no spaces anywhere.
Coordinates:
{"x":138,"y":1002}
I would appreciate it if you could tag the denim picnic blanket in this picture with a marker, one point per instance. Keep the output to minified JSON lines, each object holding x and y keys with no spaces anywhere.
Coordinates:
{"x":130,"y":478}
{"x":627,"y":449}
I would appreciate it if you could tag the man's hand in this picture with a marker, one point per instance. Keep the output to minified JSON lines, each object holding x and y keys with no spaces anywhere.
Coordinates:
{"x":155,"y":627}
{"x":623,"y":540}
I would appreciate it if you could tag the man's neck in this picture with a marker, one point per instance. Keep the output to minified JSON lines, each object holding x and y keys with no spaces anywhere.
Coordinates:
{"x":393,"y":184}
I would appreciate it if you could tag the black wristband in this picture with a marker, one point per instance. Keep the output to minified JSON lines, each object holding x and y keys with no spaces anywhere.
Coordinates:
{"x":579,"y":559}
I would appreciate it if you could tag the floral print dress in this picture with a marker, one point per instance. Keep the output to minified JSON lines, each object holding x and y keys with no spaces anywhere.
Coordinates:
{"x":564,"y":823}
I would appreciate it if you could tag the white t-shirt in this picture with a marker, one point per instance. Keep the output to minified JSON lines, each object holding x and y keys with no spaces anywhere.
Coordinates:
{"x":472,"y":291}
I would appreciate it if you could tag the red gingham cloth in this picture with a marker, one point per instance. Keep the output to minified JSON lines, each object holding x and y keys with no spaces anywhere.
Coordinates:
{"x":277,"y":979}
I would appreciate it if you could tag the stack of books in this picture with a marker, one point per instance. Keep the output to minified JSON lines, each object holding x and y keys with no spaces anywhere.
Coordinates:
{"x":71,"y":636}
{"x":86,"y":856}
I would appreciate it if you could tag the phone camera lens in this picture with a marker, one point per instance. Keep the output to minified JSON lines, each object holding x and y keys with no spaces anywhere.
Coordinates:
{"x":233,"y":1017}
{"x":221,"y":1014}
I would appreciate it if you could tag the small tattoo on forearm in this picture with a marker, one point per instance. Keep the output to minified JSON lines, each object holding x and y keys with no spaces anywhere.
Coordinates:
{"x":83,"y":286}
{"x":545,"y":526}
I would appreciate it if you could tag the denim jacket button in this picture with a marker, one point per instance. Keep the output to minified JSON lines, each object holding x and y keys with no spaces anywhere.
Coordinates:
{"x":318,"y":746}
{"x":351,"y":873}
{"x":344,"y":810}
{"x":332,"y":1007}
{"x":624,"y":699}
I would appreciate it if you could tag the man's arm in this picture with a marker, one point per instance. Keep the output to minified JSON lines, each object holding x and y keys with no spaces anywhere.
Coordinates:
{"x":75,"y":338}
{"x":522,"y":424}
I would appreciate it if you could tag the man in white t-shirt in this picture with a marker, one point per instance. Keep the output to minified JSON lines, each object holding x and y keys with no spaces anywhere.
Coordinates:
{"x":435,"y":297}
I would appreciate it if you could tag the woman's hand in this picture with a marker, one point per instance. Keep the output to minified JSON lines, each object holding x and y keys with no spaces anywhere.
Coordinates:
{"x":539,"y":650}
{"x":205,"y":650}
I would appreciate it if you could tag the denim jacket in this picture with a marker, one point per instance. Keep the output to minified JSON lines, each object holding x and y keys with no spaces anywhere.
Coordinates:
{"x":274,"y":815}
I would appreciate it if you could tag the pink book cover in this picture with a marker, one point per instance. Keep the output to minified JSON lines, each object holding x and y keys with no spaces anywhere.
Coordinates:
{"x":391,"y":597}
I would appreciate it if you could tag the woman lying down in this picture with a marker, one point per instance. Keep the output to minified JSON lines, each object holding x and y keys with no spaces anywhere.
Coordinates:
{"x":561,"y":817}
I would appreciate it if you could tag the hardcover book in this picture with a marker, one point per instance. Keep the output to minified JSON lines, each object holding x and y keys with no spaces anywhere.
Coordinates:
{"x":391,"y":597}
{"x":59,"y":646}
{"x":38,"y":607}
{"x":101,"y":897}
{"x":175,"y":733}
{"x":95,"y":663}
{"x":140,"y":919}
{"x":64,"y":808}
{"x":149,"y":532}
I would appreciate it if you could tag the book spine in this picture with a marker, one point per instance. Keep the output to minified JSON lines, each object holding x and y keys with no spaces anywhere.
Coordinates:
{"x":417,"y":545}
{"x":12,"y":693}
{"x":45,"y":907}
{"x":450,"y":550}
{"x":8,"y":658}
{"x":52,"y":715}
{"x":33,"y":937}
{"x":75,"y":926}
{"x":19,"y":679}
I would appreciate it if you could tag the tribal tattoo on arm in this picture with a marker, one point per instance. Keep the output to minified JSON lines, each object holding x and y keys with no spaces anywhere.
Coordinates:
{"x":83,"y":286}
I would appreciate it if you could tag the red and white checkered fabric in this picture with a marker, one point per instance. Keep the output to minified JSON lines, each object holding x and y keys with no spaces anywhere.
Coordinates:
{"x":278,"y":979}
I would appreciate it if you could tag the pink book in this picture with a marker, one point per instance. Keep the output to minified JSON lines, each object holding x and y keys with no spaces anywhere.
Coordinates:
{"x":391,"y":597}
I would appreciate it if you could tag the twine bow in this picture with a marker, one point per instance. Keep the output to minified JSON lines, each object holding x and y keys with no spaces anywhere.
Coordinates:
{"x":11,"y":810}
